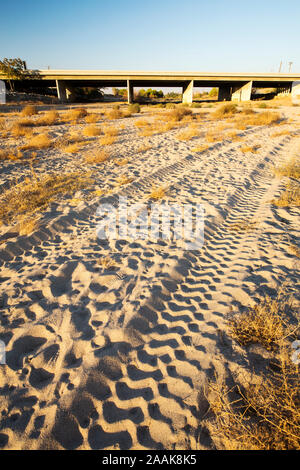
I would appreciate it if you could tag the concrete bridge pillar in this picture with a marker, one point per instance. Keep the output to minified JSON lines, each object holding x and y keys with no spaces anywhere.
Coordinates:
{"x":242,"y":92}
{"x":130,"y":95}
{"x":224,"y":93}
{"x":64,"y":92}
{"x":296,"y":92}
{"x":61,"y":90}
{"x":187,"y":92}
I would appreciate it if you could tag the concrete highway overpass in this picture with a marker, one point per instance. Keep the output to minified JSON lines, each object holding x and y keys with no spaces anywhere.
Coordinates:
{"x":232,"y":86}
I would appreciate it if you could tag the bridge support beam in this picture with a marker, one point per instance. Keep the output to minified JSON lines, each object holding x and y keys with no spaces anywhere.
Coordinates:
{"x":224,"y":93}
{"x":296,"y":92}
{"x":61,"y":90}
{"x":187,"y":92}
{"x":242,"y":92}
{"x":64,"y":92}
{"x":130,"y":95}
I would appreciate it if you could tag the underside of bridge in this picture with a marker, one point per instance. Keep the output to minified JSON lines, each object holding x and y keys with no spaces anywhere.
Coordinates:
{"x":229,"y":89}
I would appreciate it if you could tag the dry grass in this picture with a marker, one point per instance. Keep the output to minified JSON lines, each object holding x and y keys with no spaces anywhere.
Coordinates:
{"x":242,"y":226}
{"x":91,"y":131}
{"x":158,"y":193}
{"x":234,"y":136}
{"x":213,"y":136}
{"x":294,"y":250}
{"x":116,"y":113}
{"x":178,"y":114}
{"x":280,"y":133}
{"x":107,"y":262}
{"x":265,"y":118}
{"x":19,"y":130}
{"x":37,"y":142}
{"x":141,"y":123}
{"x":290,"y":169}
{"x":121,"y":180}
{"x":266,"y":323}
{"x":290,"y":197}
{"x":91,"y":118}
{"x":29,"y":110}
{"x":291,"y":194}
{"x":13,"y":155}
{"x":265,"y":414}
{"x":201,"y":148}
{"x":48,"y":119}
{"x":188,"y":134}
{"x":76,"y":114}
{"x":110,"y":131}
{"x":144,"y":147}
{"x":35,"y":193}
{"x":73,"y":148}
{"x":27,"y":225}
{"x":99,"y":156}
{"x":262,"y":416}
{"x":107,"y":140}
{"x":250,"y":148}
{"x":224,"y":111}
{"x":121,"y":161}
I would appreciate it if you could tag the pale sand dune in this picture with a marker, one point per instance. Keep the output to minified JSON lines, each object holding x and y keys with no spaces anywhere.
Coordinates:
{"x":119,"y":358}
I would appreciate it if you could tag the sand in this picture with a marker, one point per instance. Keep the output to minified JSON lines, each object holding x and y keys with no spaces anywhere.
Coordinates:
{"x":119,"y":357}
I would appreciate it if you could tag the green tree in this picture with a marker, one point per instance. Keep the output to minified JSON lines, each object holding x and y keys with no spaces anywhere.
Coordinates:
{"x":14,"y":69}
{"x":213,"y":92}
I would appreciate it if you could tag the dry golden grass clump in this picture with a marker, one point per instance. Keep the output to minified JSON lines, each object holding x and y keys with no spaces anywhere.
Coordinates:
{"x":291,"y":194}
{"x":91,"y":131}
{"x":141,"y":123}
{"x":158,"y":193}
{"x":76,"y":114}
{"x":37,"y":142}
{"x":110,"y":130}
{"x":8,"y":154}
{"x":242,"y":226}
{"x":290,"y":169}
{"x":35,"y":193}
{"x":247,"y":111}
{"x":29,"y":110}
{"x":73,"y":148}
{"x":121,"y":180}
{"x":225,"y":110}
{"x":144,"y":147}
{"x":188,"y":134}
{"x":19,"y":130}
{"x":107,"y":262}
{"x":99,"y":156}
{"x":263,"y":414}
{"x":48,"y":119}
{"x":265,"y":118}
{"x":178,"y":114}
{"x":116,"y":113}
{"x":121,"y":161}
{"x":107,"y":140}
{"x":265,"y":323}
{"x":91,"y":118}
{"x":290,"y":197}
{"x":294,"y":250}
{"x":234,"y":136}
{"x":201,"y":148}
{"x":213,"y":136}
{"x":281,"y":133}
{"x":250,"y":148}
{"x":27,"y":225}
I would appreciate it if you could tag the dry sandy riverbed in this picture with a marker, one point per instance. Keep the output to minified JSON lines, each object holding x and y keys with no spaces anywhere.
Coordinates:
{"x":117,"y":353}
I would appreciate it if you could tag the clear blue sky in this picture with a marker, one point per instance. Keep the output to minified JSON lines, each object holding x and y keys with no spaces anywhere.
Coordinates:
{"x":195,"y":35}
